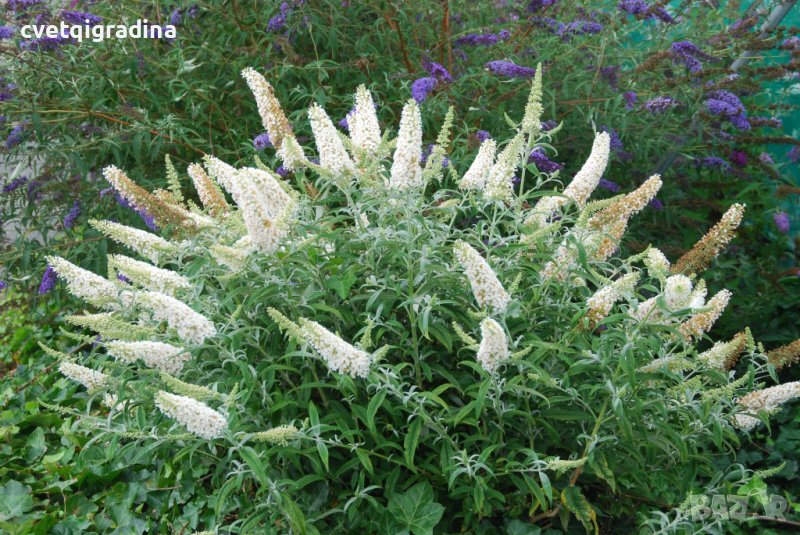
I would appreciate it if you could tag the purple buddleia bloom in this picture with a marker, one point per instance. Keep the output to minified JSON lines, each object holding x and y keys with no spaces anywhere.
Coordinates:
{"x":72,"y":215}
{"x":278,"y":22}
{"x":345,"y":122}
{"x":262,"y":141}
{"x":44,"y":43}
{"x":437,"y":71}
{"x":609,"y":185}
{"x":7,"y":92}
{"x":282,"y":171}
{"x":176,"y":17}
{"x":579,"y":27}
{"x":792,"y":43}
{"x":14,"y":184}
{"x":794,"y":154}
{"x":421,"y":87}
{"x":616,"y":142}
{"x":765,"y":158}
{"x":546,"y":126}
{"x":536,"y":5}
{"x":726,"y":104}
{"x":193,"y":11}
{"x":689,"y":54}
{"x":660,"y":104}
{"x":782,"y":222}
{"x":611,"y":75}
{"x":123,"y":278}
{"x":81,"y":17}
{"x":542,"y":162}
{"x":477,"y":39}
{"x":630,"y":99}
{"x":15,"y":136}
{"x":20,"y":5}
{"x":504,"y":35}
{"x":634,"y":7}
{"x":6,"y":32}
{"x":713,"y":161}
{"x":3,"y":285}
{"x":49,"y":279}
{"x":482,"y":135}
{"x":738,"y":158}
{"x":656,"y":204}
{"x":509,"y":69}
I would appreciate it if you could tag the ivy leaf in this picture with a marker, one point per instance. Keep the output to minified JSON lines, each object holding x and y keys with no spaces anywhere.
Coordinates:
{"x":575,"y":502}
{"x":16,"y":499}
{"x":416,"y":510}
{"x":341,"y":284}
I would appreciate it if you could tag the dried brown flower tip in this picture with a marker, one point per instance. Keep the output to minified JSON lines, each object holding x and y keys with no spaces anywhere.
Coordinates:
{"x":704,"y":251}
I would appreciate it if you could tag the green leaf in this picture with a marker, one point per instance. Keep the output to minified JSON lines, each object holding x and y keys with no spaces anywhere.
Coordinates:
{"x":342,"y":284}
{"x":411,"y":441}
{"x":576,"y":503}
{"x":15,"y":500}
{"x":254,"y":462}
{"x":372,"y":409}
{"x":416,"y":510}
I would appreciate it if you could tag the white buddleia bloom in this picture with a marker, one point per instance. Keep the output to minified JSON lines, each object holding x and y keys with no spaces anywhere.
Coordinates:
{"x":224,"y":174}
{"x":698,"y":299}
{"x":277,"y":436}
{"x":339,"y":355}
{"x":91,"y":379}
{"x":233,"y":258}
{"x":532,"y":120}
{"x":264,"y":205}
{"x":332,"y":155}
{"x":477,"y":174}
{"x":190,"y":325}
{"x":672,"y":363}
{"x":723,"y":355}
{"x":365,"y":131}
{"x":92,"y":288}
{"x":499,"y":185}
{"x":144,"y":243}
{"x":271,"y":195}
{"x":207,"y":190}
{"x":274,"y":121}
{"x":603,"y":299}
{"x":488,"y":290}
{"x":147,"y":275}
{"x":494,"y":347}
{"x":656,"y":262}
{"x":406,"y":172}
{"x":197,"y":417}
{"x":678,"y":292}
{"x":158,"y":355}
{"x":768,"y":400}
{"x":701,"y":322}
{"x":581,"y":187}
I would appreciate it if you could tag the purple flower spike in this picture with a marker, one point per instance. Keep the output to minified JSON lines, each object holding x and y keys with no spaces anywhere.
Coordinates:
{"x":482,"y":135}
{"x":509,"y":69}
{"x":660,"y":104}
{"x":421,"y":87}
{"x":49,"y":279}
{"x":609,"y":185}
{"x":782,"y":222}
{"x":630,"y":99}
{"x":72,"y":215}
{"x":542,"y":162}
{"x":262,"y":141}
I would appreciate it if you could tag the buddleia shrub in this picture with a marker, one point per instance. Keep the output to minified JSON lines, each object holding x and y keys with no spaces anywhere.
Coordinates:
{"x":623,"y":67}
{"x":383,"y":346}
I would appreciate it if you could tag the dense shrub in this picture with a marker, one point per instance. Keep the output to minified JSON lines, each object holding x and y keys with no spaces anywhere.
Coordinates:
{"x":379,"y":345}
{"x":629,"y":67}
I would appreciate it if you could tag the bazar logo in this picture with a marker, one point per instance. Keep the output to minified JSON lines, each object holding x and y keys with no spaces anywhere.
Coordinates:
{"x":734,"y":507}
{"x":98,"y":32}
